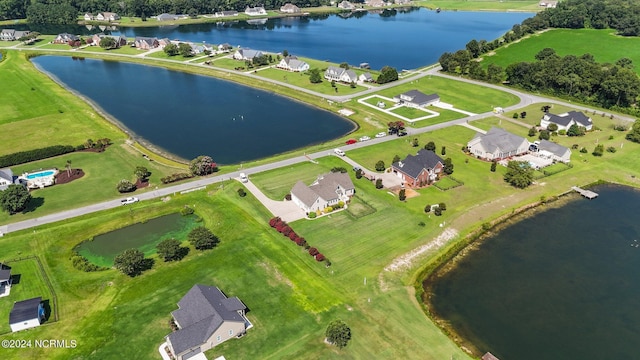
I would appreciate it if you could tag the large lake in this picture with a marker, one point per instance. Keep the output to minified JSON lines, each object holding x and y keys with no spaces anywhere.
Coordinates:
{"x":189,"y":115}
{"x":405,"y":40}
{"x":563,"y":284}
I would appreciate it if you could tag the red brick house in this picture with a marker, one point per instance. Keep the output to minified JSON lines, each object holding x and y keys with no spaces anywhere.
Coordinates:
{"x":419,"y":170}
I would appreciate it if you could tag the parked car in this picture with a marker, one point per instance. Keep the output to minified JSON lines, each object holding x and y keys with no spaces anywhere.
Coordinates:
{"x":339,"y":152}
{"x":381,"y":134}
{"x":365,"y":138}
{"x":356,"y":168}
{"x":129,"y":200}
{"x":244,"y":178}
{"x":402,"y":133}
{"x":351,"y":141}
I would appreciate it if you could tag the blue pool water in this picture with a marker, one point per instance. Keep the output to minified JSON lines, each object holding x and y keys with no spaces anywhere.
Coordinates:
{"x":40,"y":174}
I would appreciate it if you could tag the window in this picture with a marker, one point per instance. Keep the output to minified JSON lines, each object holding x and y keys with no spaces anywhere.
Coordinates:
{"x":219,"y":338}
{"x":231,"y":332}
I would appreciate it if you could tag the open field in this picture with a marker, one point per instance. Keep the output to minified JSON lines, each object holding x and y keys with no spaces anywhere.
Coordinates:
{"x":126,"y":50}
{"x":570,"y":42}
{"x":482,"y":5}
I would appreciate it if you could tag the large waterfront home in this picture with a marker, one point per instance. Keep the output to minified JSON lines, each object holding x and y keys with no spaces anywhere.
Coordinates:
{"x":65,"y":38}
{"x":497,"y":144}
{"x":291,"y":63}
{"x":419,"y":170}
{"x":107,"y":16}
{"x":334,"y":73}
{"x":146,"y":43}
{"x":247,"y":54}
{"x":328,"y":190}
{"x":12,"y":34}
{"x":255,"y":11}
{"x":564,"y":121}
{"x":416,"y":98}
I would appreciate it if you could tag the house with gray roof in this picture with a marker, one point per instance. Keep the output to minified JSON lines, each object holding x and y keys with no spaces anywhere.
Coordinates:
{"x":5,"y":280}
{"x":419,"y":170}
{"x":146,"y":43}
{"x":334,"y":73}
{"x":247,"y":54}
{"x":205,"y":318}
{"x":167,"y":17}
{"x":328,"y":190}
{"x":107,"y":16}
{"x":290,"y":8}
{"x":12,"y":34}
{"x":417,"y":98}
{"x":65,"y":38}
{"x":553,"y":151}
{"x":120,"y":40}
{"x":366,"y":77}
{"x":255,"y":11}
{"x":226,"y":13}
{"x":346,"y":5}
{"x":26,"y":314}
{"x":6,"y":178}
{"x":564,"y":121}
{"x":497,"y":144}
{"x":292,"y":63}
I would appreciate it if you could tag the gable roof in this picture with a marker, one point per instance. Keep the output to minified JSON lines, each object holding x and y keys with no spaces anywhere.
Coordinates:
{"x":418,"y":97}
{"x":327,"y":187}
{"x":249,"y":54}
{"x":201,"y":312}
{"x":5,"y":274}
{"x":25,"y":310}
{"x":304,"y":193}
{"x":367,"y":76}
{"x":166,"y":17}
{"x":553,"y":148}
{"x":564,"y":119}
{"x":6,"y":174}
{"x":499,"y":139}
{"x":148,"y":40}
{"x":68,"y":37}
{"x":413,"y":165}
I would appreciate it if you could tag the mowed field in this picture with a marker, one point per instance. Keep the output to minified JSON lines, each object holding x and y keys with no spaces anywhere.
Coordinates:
{"x":482,"y":5}
{"x":604,"y":45}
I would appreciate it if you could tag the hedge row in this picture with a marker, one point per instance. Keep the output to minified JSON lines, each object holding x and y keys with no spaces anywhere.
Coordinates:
{"x":286,"y":230}
{"x":35,"y":154}
{"x":175,"y":177}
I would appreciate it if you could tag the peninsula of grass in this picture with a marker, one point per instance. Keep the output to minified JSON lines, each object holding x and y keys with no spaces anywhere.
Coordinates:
{"x":302,"y":79}
{"x":482,"y":5}
{"x":569,"y":42}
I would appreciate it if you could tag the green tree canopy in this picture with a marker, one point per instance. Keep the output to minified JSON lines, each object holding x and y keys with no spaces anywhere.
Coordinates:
{"x":519,"y":174}
{"x":634,"y":133}
{"x":171,"y":49}
{"x":202,"y":238}
{"x":203,"y":165}
{"x":185,"y":49}
{"x":170,"y":250}
{"x":108,"y":42}
{"x":338,"y":333}
{"x":314,"y":76}
{"x":131,"y":262}
{"x":14,"y":199}
{"x":387,"y":74}
{"x":142,"y":172}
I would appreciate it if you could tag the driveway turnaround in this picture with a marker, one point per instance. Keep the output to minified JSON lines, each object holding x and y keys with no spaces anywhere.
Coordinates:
{"x":286,"y":210}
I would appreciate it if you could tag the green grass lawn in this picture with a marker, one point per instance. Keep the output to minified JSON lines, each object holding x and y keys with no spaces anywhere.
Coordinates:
{"x":577,"y":42}
{"x":482,"y":5}
{"x":126,"y":50}
{"x":445,"y":115}
{"x":302,"y":80}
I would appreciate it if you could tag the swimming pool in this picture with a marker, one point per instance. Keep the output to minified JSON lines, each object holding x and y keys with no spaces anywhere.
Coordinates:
{"x":40,"y":174}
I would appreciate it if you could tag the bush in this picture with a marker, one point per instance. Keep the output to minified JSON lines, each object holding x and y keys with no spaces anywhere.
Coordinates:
{"x":202,"y":238}
{"x":287,"y":197}
{"x":494,"y":164}
{"x":427,"y":208}
{"x":131,"y":262}
{"x":293,"y":236}
{"x":340,"y":205}
{"x":598,"y":151}
{"x":611,"y":149}
{"x":186,"y":211}
{"x":175,"y":177}
{"x":241,"y":192}
{"x":584,"y":150}
{"x":81,"y":263}
{"x":319,"y":257}
{"x":359,"y":174}
{"x":170,"y":250}
{"x":274,"y":221}
{"x":312,"y":215}
{"x":562,"y":132}
{"x":328,"y":209}
{"x":313,"y":251}
{"x":125,"y":186}
{"x":379,"y":184}
{"x":339,"y":169}
{"x":35,"y":154}
{"x":380,"y":166}
{"x":442,"y":206}
{"x":437,"y":211}
{"x":402,"y":195}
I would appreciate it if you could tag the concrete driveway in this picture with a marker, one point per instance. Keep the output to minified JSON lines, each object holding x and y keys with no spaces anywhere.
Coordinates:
{"x":389,"y":180}
{"x":286,"y":210}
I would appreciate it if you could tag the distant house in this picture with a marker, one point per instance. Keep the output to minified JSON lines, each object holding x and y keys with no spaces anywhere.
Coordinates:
{"x":255,"y":11}
{"x":146,"y":43}
{"x":120,"y":40}
{"x":200,"y":48}
{"x":346,"y":5}
{"x":163,"y":42}
{"x":497,"y":144}
{"x":5,"y":279}
{"x":564,"y":121}
{"x":375,"y":3}
{"x":340,"y":74}
{"x":246,"y":54}
{"x":548,"y":3}
{"x":553,"y":151}
{"x":12,"y":34}
{"x":291,"y":63}
{"x":289,"y":8}
{"x":366,"y":77}
{"x":419,"y":170}
{"x":65,"y":38}
{"x":26,"y":314}
{"x":224,"y":47}
{"x":416,"y":98}
{"x":88,"y":17}
{"x":206,"y":317}
{"x":327,"y":190}
{"x":6,"y":178}
{"x":166,"y":17}
{"x":402,"y":2}
{"x":107,"y":16}
{"x":226,"y":13}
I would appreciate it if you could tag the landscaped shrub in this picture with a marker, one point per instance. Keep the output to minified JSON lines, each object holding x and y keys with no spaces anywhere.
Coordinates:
{"x":380,"y":166}
{"x":402,"y":195}
{"x":340,"y":205}
{"x":339,"y":169}
{"x":274,"y":221}
{"x":442,"y":206}
{"x":598,"y":151}
{"x":437,"y":211}
{"x":125,"y":186}
{"x":562,"y":132}
{"x":328,"y":209}
{"x":175,"y":177}
{"x":312,"y":215}
{"x":313,"y":251}
{"x":611,"y":149}
{"x":241,"y":192}
{"x":427,"y":208}
{"x":81,"y":263}
{"x":35,"y":154}
{"x":584,"y":150}
{"x":293,"y":235}
{"x":319,"y":257}
{"x":379,"y":184}
{"x":286,"y":230}
{"x":186,"y":211}
{"x":287,"y":197}
{"x":359,"y":174}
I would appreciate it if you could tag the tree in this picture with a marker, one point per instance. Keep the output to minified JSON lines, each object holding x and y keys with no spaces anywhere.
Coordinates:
{"x":519,"y":174}
{"x":515,"y":115}
{"x":430,"y":146}
{"x":314,"y":76}
{"x":474,"y":48}
{"x":396,"y":159}
{"x":380,"y":166}
{"x":344,"y":65}
{"x":575,"y":130}
{"x":598,"y":151}
{"x":387,"y":74}
{"x":171,"y":49}
{"x":338,"y":333}
{"x":379,"y":184}
{"x":142,"y":173}
{"x":634,"y":133}
{"x":108,"y":42}
{"x":544,"y":135}
{"x":494,"y":164}
{"x":202,"y":238}
{"x":552,"y":127}
{"x":415,"y":142}
{"x":443,"y":151}
{"x":131,"y":262}
{"x":185,"y":49}
{"x":427,"y":208}
{"x":495,"y":73}
{"x":170,"y":250}
{"x":125,"y":186}
{"x":448,"y":166}
{"x":402,"y":195}
{"x":285,"y":53}
{"x":359,"y":174}
{"x":203,"y":165}
{"x":523,"y":115}
{"x":14,"y":198}
{"x":533,"y":131}
{"x":437,"y":211}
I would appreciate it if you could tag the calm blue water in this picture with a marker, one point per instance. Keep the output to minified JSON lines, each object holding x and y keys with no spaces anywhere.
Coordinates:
{"x":563,"y":284}
{"x":190,"y":115}
{"x":40,"y":174}
{"x":406,"y":40}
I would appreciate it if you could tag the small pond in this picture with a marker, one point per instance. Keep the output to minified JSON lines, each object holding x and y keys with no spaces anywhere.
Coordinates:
{"x":142,"y":236}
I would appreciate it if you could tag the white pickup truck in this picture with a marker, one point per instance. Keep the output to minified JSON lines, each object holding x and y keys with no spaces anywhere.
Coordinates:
{"x":129,"y":200}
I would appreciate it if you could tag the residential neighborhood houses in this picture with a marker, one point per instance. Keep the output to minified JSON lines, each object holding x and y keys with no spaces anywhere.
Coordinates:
{"x":12,"y":34}
{"x":497,"y":144}
{"x":247,"y":54}
{"x":419,"y":170}
{"x":291,"y":63}
{"x":255,"y":11}
{"x":416,"y":98}
{"x":120,"y":40}
{"x":328,"y":190}
{"x":334,"y":73}
{"x":146,"y":43}
{"x":205,"y":318}
{"x":564,"y":121}
{"x":102,"y":16}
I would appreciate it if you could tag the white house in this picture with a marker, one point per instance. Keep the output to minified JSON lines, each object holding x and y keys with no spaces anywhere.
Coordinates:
{"x":564,"y":121}
{"x":226,"y":13}
{"x":224,"y":47}
{"x":255,"y":11}
{"x":497,"y":144}
{"x":247,"y":54}
{"x":12,"y":34}
{"x":327,"y":190}
{"x":346,"y":5}
{"x":88,"y":17}
{"x":289,"y":8}
{"x":107,"y":16}
{"x":6,"y":178}
{"x":205,"y":318}
{"x":365,"y":77}
{"x":334,"y":73}
{"x":291,"y":63}
{"x":167,"y":17}
{"x":416,"y":98}
{"x":553,"y":151}
{"x":26,"y":314}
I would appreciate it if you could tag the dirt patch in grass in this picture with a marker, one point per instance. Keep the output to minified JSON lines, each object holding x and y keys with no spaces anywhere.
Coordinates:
{"x":65,"y":176}
{"x":408,"y":192}
{"x":142,"y":183}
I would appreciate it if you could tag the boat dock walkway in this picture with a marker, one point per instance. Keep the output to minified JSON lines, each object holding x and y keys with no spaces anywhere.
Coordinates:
{"x":586,"y":193}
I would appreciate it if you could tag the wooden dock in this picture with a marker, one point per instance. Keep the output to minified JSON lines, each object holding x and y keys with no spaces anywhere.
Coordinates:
{"x":586,"y":193}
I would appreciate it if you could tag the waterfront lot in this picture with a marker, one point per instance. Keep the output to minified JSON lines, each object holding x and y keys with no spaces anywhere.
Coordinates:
{"x":482,"y":5}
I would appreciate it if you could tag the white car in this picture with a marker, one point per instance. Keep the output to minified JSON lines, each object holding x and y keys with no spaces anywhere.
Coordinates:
{"x":129,"y":200}
{"x":365,"y":138}
{"x":339,"y":152}
{"x":244,"y":178}
{"x":381,"y":134}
